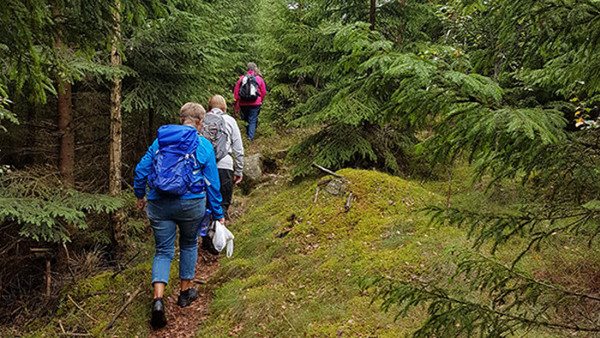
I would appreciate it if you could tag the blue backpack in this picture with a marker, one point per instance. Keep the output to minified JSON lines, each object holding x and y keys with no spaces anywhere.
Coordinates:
{"x":175,"y":170}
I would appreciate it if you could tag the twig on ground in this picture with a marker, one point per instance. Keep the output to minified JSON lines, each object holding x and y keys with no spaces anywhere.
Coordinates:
{"x":81,"y":309}
{"x":75,"y":334}
{"x":69,"y":261}
{"x":316,"y":195}
{"x":122,"y":309}
{"x":290,"y":323}
{"x":326,"y":170}
{"x":348,"y":204}
{"x":61,"y":326}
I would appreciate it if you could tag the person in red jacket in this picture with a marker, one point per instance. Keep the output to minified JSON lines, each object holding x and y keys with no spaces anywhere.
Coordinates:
{"x":249,"y":94}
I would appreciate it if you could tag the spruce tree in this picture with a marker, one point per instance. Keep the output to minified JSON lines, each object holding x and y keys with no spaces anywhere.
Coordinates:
{"x":500,"y":83}
{"x":546,"y":84}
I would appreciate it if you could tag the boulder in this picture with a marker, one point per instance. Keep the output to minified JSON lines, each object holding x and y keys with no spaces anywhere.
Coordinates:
{"x":253,"y":168}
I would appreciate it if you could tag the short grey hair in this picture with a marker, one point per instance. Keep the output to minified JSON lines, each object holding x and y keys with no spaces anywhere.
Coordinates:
{"x":252,"y":66}
{"x":191,"y":111}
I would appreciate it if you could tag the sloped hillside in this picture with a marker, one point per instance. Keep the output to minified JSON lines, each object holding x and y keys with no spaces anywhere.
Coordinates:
{"x":301,"y":256}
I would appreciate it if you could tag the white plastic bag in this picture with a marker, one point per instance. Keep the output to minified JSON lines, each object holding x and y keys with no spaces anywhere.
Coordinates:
{"x":223,"y":238}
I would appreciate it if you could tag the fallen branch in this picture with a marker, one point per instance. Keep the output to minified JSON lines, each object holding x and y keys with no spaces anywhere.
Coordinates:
{"x":122,"y":309}
{"x":75,"y":334}
{"x":348,"y":204}
{"x":326,"y":170}
{"x":81,"y":309}
{"x":69,"y":261}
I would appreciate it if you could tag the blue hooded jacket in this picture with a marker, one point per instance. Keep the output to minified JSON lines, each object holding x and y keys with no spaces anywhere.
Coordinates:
{"x":204,"y":155}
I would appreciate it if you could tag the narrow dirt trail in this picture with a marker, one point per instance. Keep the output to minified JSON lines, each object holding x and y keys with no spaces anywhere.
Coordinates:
{"x":184,"y":322}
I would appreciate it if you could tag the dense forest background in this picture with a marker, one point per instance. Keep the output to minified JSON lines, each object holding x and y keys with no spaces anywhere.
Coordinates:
{"x":410,"y":87}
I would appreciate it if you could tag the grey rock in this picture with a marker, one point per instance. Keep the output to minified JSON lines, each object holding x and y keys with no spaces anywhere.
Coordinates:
{"x":253,"y":168}
{"x":336,"y":186}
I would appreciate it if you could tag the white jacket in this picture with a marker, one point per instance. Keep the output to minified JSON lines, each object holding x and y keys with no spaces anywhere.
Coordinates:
{"x":235,"y":148}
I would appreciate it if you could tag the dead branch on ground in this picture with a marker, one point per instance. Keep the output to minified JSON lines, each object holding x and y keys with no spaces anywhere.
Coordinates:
{"x":124,"y":307}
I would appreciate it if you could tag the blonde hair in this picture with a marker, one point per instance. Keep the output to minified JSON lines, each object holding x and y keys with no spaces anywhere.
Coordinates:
{"x":191,"y":111}
{"x":217,"y":101}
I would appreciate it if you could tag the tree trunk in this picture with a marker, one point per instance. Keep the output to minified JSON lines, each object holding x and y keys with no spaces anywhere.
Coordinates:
{"x":116,"y":121}
{"x":372,"y":14}
{"x":66,"y":153}
{"x":116,"y":130}
{"x":66,"y":157}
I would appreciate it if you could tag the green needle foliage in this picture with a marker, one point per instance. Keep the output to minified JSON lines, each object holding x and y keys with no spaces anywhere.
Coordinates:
{"x":501,"y":83}
{"x":36,"y":206}
{"x":524,"y":138}
{"x":173,"y":51}
{"x":171,"y":57}
{"x":360,"y":78}
{"x":189,"y":55}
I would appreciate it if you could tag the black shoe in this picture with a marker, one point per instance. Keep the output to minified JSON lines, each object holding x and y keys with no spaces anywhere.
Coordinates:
{"x":187,"y":297}
{"x":159,"y":319}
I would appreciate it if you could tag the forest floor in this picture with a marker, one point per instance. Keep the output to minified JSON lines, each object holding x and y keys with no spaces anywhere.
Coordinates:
{"x":182,"y":320}
{"x":301,"y":254}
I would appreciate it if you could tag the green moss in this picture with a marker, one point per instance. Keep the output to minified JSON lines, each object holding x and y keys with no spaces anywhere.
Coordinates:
{"x":101,"y":296}
{"x":298,"y":264}
{"x":306,"y":282}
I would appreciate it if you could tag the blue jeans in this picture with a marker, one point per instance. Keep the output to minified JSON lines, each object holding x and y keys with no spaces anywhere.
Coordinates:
{"x":250,"y":115}
{"x":165,"y":215}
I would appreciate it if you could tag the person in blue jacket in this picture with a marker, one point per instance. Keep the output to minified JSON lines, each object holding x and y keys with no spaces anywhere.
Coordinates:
{"x":184,"y":208}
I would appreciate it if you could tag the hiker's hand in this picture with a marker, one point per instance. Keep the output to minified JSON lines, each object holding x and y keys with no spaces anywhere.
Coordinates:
{"x":222,"y":220}
{"x":141,"y":203}
{"x":237,"y":179}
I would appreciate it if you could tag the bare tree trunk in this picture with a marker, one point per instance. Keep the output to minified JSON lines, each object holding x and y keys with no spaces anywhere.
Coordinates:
{"x":116,"y":129}
{"x":66,"y":153}
{"x":372,"y":14}
{"x":66,"y":157}
{"x":116,"y":121}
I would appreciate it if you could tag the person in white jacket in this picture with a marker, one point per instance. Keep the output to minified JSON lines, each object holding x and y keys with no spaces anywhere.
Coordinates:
{"x":231,"y":166}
